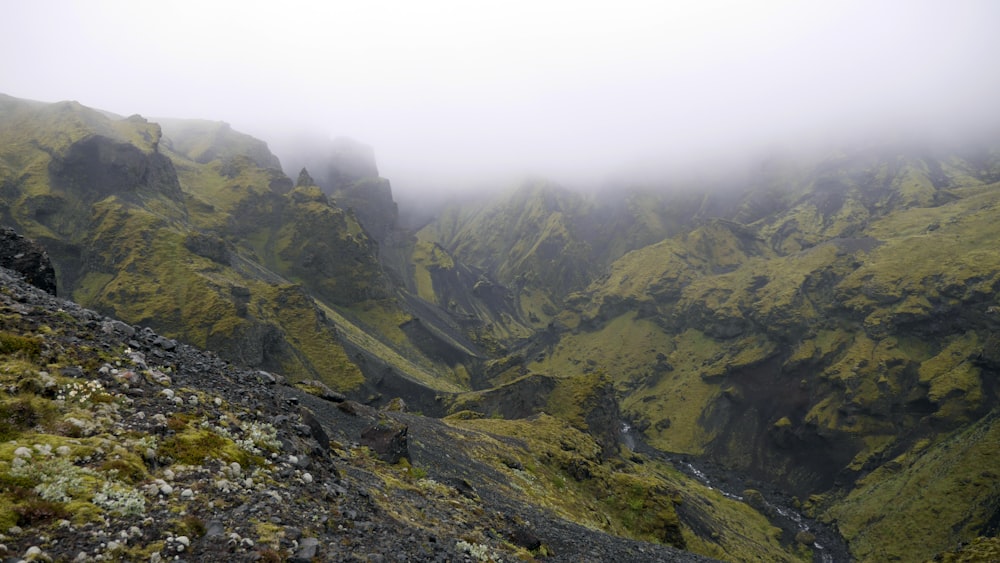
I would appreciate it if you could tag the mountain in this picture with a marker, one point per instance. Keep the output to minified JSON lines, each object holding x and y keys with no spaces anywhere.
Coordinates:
{"x":830,"y":328}
{"x":749,"y":365}
{"x":202,"y":239}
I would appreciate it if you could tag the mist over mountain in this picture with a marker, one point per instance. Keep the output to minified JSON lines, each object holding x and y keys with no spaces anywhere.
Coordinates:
{"x":456,"y":97}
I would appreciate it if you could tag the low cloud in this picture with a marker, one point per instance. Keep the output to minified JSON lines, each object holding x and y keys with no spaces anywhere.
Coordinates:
{"x":457,"y":95}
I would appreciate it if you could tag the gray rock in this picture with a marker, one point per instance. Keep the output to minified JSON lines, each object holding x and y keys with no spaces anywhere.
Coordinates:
{"x":324,"y":392}
{"x":355,"y":408}
{"x":214,"y":529}
{"x":315,"y":429}
{"x":308,"y":548}
{"x":387,"y":438}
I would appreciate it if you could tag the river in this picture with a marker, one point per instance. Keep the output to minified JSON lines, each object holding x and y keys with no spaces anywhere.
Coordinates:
{"x":829,"y":546}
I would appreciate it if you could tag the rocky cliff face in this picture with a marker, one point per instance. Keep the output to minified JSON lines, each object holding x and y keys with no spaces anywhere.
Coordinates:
{"x":27,"y":258}
{"x":345,"y":170}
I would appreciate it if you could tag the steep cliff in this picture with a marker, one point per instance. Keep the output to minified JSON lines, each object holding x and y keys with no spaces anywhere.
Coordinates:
{"x":210,"y":245}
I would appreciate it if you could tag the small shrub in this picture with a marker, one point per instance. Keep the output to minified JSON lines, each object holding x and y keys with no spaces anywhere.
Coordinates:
{"x":268,"y":555}
{"x":38,"y":510}
{"x":191,"y":448}
{"x":477,"y":551}
{"x":124,"y":470}
{"x":57,"y":480}
{"x":176,"y":423}
{"x":16,"y":416}
{"x":15,"y":344}
{"x":190,"y":526}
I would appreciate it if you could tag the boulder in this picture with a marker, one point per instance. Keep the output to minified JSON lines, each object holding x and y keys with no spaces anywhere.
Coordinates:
{"x":387,"y":438}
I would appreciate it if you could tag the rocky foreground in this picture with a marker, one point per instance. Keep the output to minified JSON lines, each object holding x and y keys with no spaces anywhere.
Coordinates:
{"x":119,"y":444}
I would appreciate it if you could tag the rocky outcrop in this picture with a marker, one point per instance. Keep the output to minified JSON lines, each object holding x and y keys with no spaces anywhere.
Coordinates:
{"x":98,"y":166}
{"x":310,"y":239}
{"x":304,"y":180}
{"x":587,"y":402}
{"x":371,"y":200}
{"x":209,"y":246}
{"x":28,"y":259}
{"x":387,"y":438}
{"x":345,"y":170}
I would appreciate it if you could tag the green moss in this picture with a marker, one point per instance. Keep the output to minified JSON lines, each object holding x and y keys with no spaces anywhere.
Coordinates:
{"x":951,"y":378}
{"x":574,"y":396}
{"x":190,"y":526}
{"x":317,"y":340}
{"x":950,"y":480}
{"x":193,"y":446}
{"x":645,"y":508}
{"x":425,"y":257}
{"x":22,"y":413}
{"x":783,"y":422}
{"x":130,"y":469}
{"x":978,"y":550}
{"x":269,"y":534}
{"x":15,"y":344}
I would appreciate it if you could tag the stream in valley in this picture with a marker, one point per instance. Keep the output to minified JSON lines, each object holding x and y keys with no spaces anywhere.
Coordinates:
{"x":828,"y":547}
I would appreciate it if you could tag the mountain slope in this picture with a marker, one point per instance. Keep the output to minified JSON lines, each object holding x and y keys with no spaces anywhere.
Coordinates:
{"x":816,"y":345}
{"x":121,"y":444}
{"x":814,"y":325}
{"x":223,"y":253}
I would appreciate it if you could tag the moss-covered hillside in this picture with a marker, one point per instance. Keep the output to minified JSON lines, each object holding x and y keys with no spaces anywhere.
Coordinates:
{"x":203,"y":237}
{"x":831,"y":327}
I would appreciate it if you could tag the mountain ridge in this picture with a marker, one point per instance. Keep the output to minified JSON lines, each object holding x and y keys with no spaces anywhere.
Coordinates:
{"x":822,"y":325}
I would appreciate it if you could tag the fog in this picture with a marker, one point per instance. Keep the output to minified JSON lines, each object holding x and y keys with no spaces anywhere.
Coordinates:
{"x":460,"y":95}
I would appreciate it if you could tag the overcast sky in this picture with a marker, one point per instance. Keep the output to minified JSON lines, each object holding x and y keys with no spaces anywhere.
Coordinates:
{"x":472,"y":89}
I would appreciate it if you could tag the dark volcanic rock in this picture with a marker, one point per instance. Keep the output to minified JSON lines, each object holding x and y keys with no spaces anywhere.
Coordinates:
{"x":28,"y":259}
{"x":387,"y":438}
{"x":304,"y":179}
{"x":99,"y":166}
{"x":209,"y":246}
{"x":315,"y":428}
